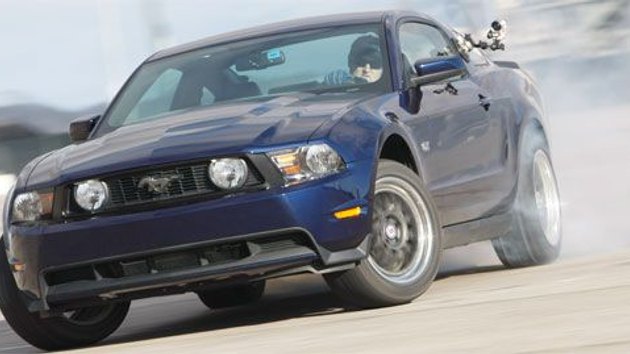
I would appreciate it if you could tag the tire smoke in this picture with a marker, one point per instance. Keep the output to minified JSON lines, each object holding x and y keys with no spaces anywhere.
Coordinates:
{"x":579,"y":53}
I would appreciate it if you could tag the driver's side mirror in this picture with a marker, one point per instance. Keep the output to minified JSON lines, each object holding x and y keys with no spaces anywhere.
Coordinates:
{"x":81,"y":128}
{"x":438,"y":69}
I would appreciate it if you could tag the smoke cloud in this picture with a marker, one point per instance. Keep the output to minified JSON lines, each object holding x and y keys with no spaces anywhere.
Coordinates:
{"x":579,"y":53}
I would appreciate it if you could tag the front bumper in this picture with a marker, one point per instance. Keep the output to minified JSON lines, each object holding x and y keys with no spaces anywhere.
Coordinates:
{"x":304,"y":209}
{"x":257,"y":256}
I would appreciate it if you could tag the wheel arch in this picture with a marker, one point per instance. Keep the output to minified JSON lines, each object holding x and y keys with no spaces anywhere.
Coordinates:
{"x":397,"y":145}
{"x":396,"y":148}
{"x":532,"y":125}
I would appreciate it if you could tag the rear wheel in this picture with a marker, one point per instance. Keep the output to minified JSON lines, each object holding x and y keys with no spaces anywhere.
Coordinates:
{"x":233,"y":296}
{"x":73,"y":329}
{"x":406,"y":243}
{"x":536,"y":235}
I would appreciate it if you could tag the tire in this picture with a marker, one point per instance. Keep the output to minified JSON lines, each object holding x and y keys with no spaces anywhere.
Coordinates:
{"x":536,"y":235}
{"x":233,"y":296}
{"x":404,"y":257}
{"x":74,"y":329}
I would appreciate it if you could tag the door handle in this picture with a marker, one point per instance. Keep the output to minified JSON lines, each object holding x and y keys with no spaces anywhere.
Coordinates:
{"x":484,"y":102}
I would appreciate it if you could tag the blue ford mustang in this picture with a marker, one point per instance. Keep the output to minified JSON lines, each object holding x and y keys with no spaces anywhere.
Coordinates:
{"x":357,"y":147}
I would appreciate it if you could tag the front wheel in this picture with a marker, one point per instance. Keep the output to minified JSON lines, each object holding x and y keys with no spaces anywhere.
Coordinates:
{"x":405,"y":246}
{"x":73,"y":329}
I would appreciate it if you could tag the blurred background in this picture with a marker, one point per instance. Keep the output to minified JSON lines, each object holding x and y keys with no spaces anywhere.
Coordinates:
{"x":66,"y":58}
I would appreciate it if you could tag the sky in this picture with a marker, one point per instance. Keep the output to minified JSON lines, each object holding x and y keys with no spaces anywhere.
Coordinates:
{"x":72,"y":54}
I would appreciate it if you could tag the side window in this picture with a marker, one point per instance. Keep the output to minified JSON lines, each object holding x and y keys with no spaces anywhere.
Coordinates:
{"x":420,"y":41}
{"x":158,"y":98}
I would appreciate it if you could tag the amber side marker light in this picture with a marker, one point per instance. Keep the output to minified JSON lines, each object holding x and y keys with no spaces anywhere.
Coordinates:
{"x":19,"y":267}
{"x":348,"y":213}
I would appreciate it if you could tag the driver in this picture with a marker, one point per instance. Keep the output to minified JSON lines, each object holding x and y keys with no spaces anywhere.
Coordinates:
{"x":364,"y":61}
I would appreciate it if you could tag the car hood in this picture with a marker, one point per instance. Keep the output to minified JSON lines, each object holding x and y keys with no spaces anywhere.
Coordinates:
{"x":215,"y":131}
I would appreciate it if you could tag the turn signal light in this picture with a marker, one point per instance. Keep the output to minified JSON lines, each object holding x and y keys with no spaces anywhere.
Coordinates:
{"x":348,"y":213}
{"x":19,"y":267}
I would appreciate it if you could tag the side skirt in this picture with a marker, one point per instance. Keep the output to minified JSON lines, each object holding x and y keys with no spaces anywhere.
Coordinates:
{"x":477,"y":230}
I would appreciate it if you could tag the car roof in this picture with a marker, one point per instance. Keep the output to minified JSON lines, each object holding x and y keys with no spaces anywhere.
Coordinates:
{"x":288,"y":26}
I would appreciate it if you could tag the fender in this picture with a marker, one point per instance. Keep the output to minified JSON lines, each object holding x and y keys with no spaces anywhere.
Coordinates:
{"x":531,"y":123}
{"x":394,"y":128}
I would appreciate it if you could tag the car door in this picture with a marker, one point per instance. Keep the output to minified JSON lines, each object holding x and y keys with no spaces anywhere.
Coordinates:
{"x":501,"y":176}
{"x":458,"y":138}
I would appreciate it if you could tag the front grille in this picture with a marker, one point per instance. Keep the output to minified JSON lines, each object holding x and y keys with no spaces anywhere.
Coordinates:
{"x":192,"y":180}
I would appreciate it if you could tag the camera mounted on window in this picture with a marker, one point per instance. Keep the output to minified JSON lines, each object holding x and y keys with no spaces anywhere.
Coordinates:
{"x":496,"y":35}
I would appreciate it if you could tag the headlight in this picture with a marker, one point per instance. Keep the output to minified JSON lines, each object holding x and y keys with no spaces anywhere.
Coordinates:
{"x":91,"y":195}
{"x":228,"y":173}
{"x":307,"y":162}
{"x":31,"y":206}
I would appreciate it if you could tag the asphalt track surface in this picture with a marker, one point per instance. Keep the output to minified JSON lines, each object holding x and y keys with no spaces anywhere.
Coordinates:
{"x":579,"y":304}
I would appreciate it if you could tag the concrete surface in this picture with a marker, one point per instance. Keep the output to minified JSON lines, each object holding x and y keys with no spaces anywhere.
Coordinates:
{"x":571,"y":306}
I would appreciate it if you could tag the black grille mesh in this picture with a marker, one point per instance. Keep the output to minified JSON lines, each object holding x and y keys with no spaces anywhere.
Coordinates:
{"x":192,"y":180}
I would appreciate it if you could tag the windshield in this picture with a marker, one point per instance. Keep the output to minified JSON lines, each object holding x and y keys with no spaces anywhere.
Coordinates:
{"x":329,"y":60}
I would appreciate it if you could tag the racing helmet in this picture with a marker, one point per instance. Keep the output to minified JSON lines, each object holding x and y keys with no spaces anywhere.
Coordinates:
{"x":365,"y":50}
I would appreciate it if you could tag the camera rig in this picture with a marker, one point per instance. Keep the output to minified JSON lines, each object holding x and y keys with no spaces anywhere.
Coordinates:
{"x":496,"y":35}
